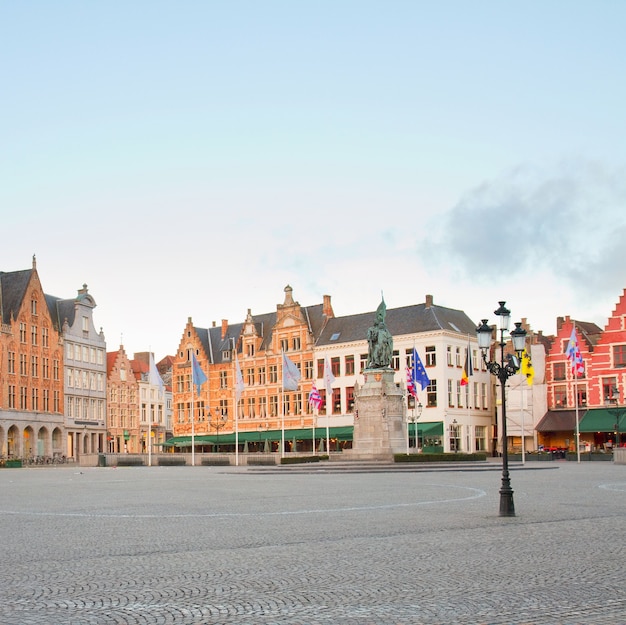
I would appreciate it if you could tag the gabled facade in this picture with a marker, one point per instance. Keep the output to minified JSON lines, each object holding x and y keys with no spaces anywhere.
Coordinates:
{"x":85,"y":373}
{"x":256,"y":346}
{"x":31,"y":370}
{"x":153,"y":401}
{"x":124,"y":433}
{"x":598,"y":397}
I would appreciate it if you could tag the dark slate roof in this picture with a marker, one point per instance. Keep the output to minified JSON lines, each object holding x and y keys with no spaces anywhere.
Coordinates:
{"x":213,"y":343}
{"x":13,"y":286}
{"x":400,"y":321}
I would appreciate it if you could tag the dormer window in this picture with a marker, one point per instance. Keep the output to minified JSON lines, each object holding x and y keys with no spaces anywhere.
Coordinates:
{"x":33,"y":306}
{"x":226,"y":354}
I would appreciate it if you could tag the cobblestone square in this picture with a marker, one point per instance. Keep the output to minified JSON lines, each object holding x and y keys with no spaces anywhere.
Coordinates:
{"x":318,"y":545}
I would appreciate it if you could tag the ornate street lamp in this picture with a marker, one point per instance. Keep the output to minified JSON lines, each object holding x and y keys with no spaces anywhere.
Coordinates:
{"x":503,"y":371}
{"x":413,"y":419}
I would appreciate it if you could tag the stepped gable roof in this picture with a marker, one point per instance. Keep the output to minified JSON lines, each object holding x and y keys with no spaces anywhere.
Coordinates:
{"x":13,"y":285}
{"x":214,"y":344}
{"x":414,"y":319}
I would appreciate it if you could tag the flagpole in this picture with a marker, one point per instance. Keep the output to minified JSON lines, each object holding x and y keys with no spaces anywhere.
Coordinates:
{"x":235,"y":364}
{"x":470,"y":366}
{"x":193,"y":413}
{"x":282,"y":408}
{"x":575,"y":376}
{"x":149,"y":404}
{"x":314,"y":417}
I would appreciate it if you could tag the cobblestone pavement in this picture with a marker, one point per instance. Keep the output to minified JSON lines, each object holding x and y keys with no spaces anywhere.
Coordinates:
{"x":200,"y":545}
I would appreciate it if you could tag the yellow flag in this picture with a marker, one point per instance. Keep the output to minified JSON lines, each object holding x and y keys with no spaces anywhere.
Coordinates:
{"x":527,"y":368}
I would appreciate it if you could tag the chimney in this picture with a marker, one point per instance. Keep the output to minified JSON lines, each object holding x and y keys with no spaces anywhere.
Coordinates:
{"x":224,"y":327}
{"x":429,"y":301}
{"x":327,"y":309}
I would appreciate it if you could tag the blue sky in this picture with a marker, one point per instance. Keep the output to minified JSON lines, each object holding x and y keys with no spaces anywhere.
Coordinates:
{"x":191,"y":158}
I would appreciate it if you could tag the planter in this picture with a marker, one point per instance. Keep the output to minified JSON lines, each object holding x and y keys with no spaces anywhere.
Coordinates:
{"x":13,"y":464}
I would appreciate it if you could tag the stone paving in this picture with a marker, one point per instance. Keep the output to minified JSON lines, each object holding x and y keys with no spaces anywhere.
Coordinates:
{"x":312,"y":546}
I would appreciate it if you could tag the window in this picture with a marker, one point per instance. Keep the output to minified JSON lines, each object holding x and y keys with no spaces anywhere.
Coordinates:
{"x":320,"y":367}
{"x":483,"y":396}
{"x":619,"y":356}
{"x":273,"y":374}
{"x":449,"y":355}
{"x":251,"y":411}
{"x":22,"y":332}
{"x":250,"y":376}
{"x":431,"y":356}
{"x":560,"y":396}
{"x":335,"y":366}
{"x":457,"y":356}
{"x":349,"y":365}
{"x":350,"y":398}
{"x":273,"y":405}
{"x":295,"y":343}
{"x":581,"y":394}
{"x":395,"y":360}
{"x":250,"y":349}
{"x":558,"y":371}
{"x":23,"y":365}
{"x":55,"y":372}
{"x":480,"y":438}
{"x":46,"y":400}
{"x":33,"y":335}
{"x":85,"y":324}
{"x":284,"y":345}
{"x":11,"y":396}
{"x":363,"y":359}
{"x":263,"y":407}
{"x":226,"y":355}
{"x":308,"y":369}
{"x":11,"y":362}
{"x":609,"y":391}
{"x":261,"y":375}
{"x":458,"y":393}
{"x":297,"y":404}
{"x":431,"y":394}
{"x":450,"y":396}
{"x":336,"y":401}
{"x":33,"y":307}
{"x":23,"y":398}
{"x":45,"y":365}
{"x":44,"y":337}
{"x":223,"y":379}
{"x":34,"y":366}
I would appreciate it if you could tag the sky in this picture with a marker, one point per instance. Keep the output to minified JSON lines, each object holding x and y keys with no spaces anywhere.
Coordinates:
{"x":192,"y":158}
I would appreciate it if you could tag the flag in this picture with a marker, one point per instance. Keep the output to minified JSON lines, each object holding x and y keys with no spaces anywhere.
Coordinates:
{"x":419,"y":374}
{"x":574,"y":356}
{"x":527,"y":368}
{"x":410,"y":382}
{"x":238,"y":380}
{"x":315,"y":399}
{"x":291,"y":374}
{"x":329,"y":378}
{"x":154,"y":379}
{"x":468,"y":369}
{"x":197,"y":375}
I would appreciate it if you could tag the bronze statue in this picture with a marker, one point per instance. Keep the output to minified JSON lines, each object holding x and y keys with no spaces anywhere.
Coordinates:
{"x":380,"y":341}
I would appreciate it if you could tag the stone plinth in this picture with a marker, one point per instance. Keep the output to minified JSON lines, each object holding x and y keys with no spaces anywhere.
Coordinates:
{"x":379,"y":430}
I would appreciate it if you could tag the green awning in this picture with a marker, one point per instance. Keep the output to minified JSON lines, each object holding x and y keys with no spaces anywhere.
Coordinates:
{"x":603,"y":420}
{"x":431,"y":430}
{"x":342,"y":433}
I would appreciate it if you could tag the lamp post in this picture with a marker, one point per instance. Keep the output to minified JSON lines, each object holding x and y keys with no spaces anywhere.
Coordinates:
{"x":220,"y":422}
{"x":413,"y":419}
{"x":503,"y":371}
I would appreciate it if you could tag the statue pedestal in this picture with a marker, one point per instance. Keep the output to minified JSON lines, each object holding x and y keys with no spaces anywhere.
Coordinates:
{"x":379,"y":424}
